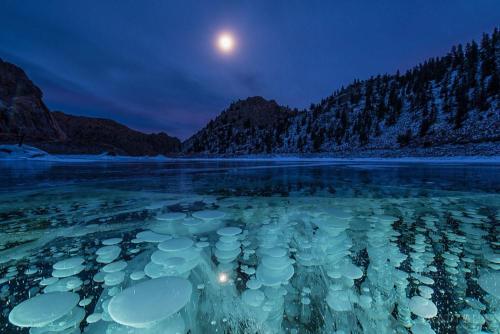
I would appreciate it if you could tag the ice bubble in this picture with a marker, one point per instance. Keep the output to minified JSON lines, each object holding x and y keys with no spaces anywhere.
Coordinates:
{"x":150,"y":236}
{"x":472,"y":318}
{"x":113,"y":291}
{"x":490,"y":282}
{"x":65,"y":284}
{"x":192,"y":222}
{"x":202,"y":244}
{"x":422,"y":307}
{"x":227,"y":256}
{"x":166,"y":260}
{"x":30,"y":271}
{"x":227,"y":246}
{"x":114,"y":266}
{"x":171,"y":325}
{"x":43,"y":309}
{"x":73,"y":283}
{"x":48,"y":281}
{"x":85,"y":302}
{"x":108,"y":254}
{"x":475,"y":304}
{"x":114,"y":278}
{"x":154,"y":270}
{"x":112,"y":241}
{"x":144,"y":304}
{"x":229,"y":231}
{"x":106,"y":250}
{"x":274,"y":277}
{"x":94,"y":317}
{"x":209,"y":214}
{"x":339,"y":300}
{"x":61,"y":273}
{"x":425,"y":291}
{"x":351,"y":271}
{"x":424,"y":279}
{"x":176,"y":244}
{"x":254,"y":284}
{"x":276,"y":263}
{"x":422,"y":328}
{"x":365,"y":301}
{"x":99,"y":277}
{"x":171,"y":216}
{"x":493,"y":257}
{"x":253,"y":297}
{"x":68,"y":263}
{"x":137,"y":275}
{"x":249,"y":271}
{"x":305,"y":301}
{"x":68,"y":322}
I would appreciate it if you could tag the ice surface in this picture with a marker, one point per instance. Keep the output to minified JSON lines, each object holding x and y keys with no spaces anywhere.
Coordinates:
{"x":269,"y":247}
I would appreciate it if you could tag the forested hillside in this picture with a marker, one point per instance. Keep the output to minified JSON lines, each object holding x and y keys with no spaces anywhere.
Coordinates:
{"x":451,"y":100}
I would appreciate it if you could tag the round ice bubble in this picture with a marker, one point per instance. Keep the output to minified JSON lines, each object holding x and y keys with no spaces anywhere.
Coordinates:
{"x":208,"y":214}
{"x":94,"y":317}
{"x":43,"y":309}
{"x":171,"y":216}
{"x":151,"y":301}
{"x":114,"y":278}
{"x":422,"y":307}
{"x":150,"y":236}
{"x":67,"y":322}
{"x":174,"y":245}
{"x":114,"y":266}
{"x":490,"y":282}
{"x":111,"y":241}
{"x":229,"y":231}
{"x":61,"y":273}
{"x":68,"y":263}
{"x":253,"y":297}
{"x":137,"y":275}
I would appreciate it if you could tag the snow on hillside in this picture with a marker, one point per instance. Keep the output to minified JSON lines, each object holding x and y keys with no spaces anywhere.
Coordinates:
{"x":452,"y":100}
{"x":30,"y":153}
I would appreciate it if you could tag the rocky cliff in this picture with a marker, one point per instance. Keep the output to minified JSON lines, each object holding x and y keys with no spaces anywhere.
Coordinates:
{"x":25,"y":118}
{"x":22,"y":111}
{"x":96,"y":135}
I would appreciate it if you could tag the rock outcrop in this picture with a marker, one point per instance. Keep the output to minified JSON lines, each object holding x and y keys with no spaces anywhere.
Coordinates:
{"x":23,"y":115}
{"x":25,"y":118}
{"x":96,"y":135}
{"x":253,"y":125}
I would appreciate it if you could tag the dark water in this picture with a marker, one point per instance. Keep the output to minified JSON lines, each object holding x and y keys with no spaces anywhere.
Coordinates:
{"x":314,"y":247}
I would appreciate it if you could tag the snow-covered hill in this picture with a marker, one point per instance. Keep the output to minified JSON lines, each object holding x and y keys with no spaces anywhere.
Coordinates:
{"x":448,"y":102}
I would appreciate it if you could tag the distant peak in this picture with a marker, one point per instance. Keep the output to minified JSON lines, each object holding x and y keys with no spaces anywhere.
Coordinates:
{"x":254,"y":104}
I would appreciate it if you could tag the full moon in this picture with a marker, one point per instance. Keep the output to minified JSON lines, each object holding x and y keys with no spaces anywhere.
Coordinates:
{"x":225,"y":42}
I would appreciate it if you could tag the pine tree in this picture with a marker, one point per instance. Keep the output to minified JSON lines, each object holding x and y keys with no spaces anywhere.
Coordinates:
{"x":461,"y":105}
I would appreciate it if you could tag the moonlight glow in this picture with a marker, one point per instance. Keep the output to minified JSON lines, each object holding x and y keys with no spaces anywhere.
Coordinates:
{"x":225,"y":42}
{"x":223,"y":278}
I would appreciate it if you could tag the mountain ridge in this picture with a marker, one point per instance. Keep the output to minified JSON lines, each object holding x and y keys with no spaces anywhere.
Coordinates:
{"x":450,"y":100}
{"x":25,"y":118}
{"x":445,"y":103}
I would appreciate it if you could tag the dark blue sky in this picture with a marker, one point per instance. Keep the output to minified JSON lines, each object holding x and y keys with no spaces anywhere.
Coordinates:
{"x":152,"y":64}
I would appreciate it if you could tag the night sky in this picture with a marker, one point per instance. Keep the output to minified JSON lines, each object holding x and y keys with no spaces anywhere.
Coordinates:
{"x":153,"y":66}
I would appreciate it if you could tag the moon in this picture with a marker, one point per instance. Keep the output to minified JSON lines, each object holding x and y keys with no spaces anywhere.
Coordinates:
{"x":225,"y":42}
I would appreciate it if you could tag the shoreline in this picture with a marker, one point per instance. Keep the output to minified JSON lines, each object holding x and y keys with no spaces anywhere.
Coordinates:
{"x":29,"y":153}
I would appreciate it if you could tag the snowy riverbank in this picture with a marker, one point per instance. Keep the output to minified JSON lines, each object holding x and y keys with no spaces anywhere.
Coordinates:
{"x":29,"y":153}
